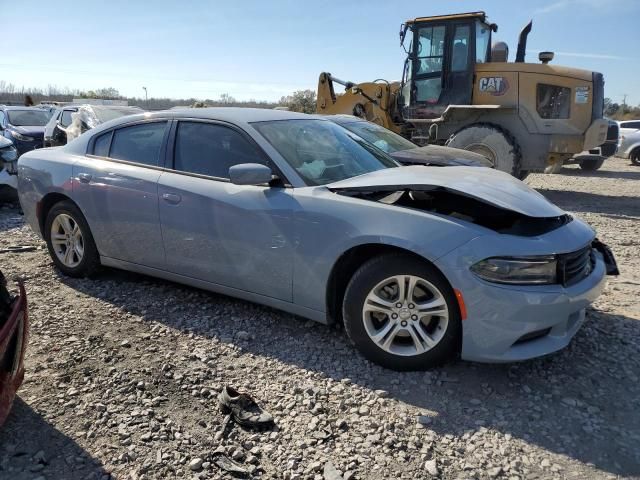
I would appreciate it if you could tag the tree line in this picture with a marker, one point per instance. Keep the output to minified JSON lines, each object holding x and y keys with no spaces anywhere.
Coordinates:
{"x":299,"y":101}
{"x":617,"y":111}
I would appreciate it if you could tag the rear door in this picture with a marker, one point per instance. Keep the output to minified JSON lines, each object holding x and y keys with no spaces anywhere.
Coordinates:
{"x":233,"y":235}
{"x":116,"y":187}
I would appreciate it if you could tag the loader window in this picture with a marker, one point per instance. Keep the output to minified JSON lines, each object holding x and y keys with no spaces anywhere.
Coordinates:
{"x":553,"y":101}
{"x":430,"y":50}
{"x":483,"y":37}
{"x":460,"y":55}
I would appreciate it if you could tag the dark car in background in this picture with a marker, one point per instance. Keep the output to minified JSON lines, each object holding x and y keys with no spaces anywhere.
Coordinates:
{"x":61,"y":125}
{"x":406,"y":152}
{"x":593,"y":159}
{"x":24,"y":126}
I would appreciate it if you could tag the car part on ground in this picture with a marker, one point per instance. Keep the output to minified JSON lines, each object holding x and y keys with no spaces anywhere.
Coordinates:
{"x":14,"y":331}
{"x":537,"y":115}
{"x":244,"y":410}
{"x":405,"y":151}
{"x":139,"y":194}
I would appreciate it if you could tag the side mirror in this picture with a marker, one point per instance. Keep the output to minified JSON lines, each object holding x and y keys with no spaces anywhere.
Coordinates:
{"x":250,"y":174}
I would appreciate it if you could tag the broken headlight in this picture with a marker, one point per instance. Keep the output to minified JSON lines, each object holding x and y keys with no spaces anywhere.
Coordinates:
{"x":538,"y":270}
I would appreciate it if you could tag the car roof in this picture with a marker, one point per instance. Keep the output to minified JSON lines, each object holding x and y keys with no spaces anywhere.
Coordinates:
{"x":229,"y":114}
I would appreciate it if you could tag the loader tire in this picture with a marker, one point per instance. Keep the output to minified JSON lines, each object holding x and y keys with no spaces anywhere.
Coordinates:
{"x":492,"y":142}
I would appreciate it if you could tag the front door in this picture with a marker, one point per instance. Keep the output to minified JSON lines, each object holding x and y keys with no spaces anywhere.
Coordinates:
{"x":213,"y":230}
{"x":117,"y":190}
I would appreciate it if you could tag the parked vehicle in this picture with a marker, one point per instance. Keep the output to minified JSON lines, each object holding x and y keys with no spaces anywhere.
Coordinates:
{"x":405,"y":151}
{"x":8,"y":166}
{"x":14,"y":330}
{"x":592,"y":160}
{"x":61,"y":125}
{"x":24,"y":126}
{"x":295,"y":212}
{"x":630,"y":141}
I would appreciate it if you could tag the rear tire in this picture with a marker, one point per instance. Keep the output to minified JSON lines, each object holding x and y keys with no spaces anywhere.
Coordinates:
{"x":635,"y":157}
{"x":70,"y":242}
{"x":592,"y":164}
{"x":492,"y":142}
{"x":424,"y":332}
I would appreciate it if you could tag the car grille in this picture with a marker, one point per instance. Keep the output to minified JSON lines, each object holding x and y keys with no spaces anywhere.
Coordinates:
{"x":574,"y":266}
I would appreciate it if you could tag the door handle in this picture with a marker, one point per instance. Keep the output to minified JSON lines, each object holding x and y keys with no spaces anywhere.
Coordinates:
{"x":172,"y":198}
{"x":84,"y":177}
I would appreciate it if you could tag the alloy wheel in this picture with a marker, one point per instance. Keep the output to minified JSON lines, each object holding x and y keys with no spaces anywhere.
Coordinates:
{"x":405,"y":315}
{"x":67,"y":240}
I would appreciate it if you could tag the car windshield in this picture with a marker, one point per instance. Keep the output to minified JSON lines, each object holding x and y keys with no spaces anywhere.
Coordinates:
{"x":321,"y":151}
{"x":379,"y":136}
{"x":28,"y":117}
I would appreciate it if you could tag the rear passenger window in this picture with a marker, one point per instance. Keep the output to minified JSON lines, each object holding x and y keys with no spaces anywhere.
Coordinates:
{"x":209,"y":149}
{"x":139,"y":143}
{"x":101,"y":145}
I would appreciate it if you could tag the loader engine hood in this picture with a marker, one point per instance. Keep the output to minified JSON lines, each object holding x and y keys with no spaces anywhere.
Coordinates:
{"x":482,"y":196}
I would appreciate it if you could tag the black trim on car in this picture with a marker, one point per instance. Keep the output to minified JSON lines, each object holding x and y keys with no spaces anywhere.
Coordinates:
{"x":167,"y":151}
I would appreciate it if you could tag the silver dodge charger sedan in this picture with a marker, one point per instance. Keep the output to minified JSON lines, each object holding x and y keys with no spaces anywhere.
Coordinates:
{"x":420,"y":263}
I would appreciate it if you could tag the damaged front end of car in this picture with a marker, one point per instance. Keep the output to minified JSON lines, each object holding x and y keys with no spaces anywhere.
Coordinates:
{"x":457,"y":205}
{"x":14,"y":331}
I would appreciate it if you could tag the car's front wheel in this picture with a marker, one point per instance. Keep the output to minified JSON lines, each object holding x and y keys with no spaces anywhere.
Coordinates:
{"x":402,"y":313}
{"x":70,"y":242}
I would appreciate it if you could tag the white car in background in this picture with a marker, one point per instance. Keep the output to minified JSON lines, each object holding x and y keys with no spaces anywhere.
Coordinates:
{"x":629,"y":141}
{"x":8,"y":165}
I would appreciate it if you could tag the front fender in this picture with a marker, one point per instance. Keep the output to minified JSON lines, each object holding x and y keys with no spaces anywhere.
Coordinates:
{"x":328,"y":224}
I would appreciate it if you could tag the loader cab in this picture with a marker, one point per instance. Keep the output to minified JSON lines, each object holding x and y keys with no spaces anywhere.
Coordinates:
{"x":442,"y":55}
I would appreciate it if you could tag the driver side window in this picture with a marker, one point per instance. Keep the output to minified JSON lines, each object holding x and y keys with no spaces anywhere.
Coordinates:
{"x":211,"y":149}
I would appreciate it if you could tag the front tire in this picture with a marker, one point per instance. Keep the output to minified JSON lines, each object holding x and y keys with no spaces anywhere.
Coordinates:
{"x":492,"y":142}
{"x":402,"y":313}
{"x":70,"y":242}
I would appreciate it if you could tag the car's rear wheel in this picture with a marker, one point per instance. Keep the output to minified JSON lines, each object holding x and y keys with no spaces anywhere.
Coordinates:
{"x":401,"y":313}
{"x":70,"y":242}
{"x":635,"y":156}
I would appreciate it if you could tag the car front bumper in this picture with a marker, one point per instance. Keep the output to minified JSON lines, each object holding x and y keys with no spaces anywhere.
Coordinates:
{"x":507,"y":323}
{"x":510,"y":324}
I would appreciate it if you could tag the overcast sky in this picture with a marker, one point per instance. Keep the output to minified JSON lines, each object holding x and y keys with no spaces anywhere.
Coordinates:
{"x":265,"y":49}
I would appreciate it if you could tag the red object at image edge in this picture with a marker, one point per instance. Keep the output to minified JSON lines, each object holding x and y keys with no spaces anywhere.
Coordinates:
{"x":13,"y":341}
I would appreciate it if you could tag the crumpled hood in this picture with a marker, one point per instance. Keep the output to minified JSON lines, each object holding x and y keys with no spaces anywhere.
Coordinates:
{"x":438,"y":155}
{"x":30,"y":131}
{"x":491,"y":186}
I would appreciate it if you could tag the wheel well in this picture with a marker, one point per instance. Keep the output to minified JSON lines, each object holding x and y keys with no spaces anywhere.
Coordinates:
{"x":346,"y":266}
{"x":46,"y":204}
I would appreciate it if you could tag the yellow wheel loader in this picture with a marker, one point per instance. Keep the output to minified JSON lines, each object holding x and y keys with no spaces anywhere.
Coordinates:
{"x":459,"y":90}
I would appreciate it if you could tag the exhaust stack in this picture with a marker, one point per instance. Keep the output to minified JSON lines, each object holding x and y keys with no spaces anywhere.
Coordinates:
{"x":522,"y":42}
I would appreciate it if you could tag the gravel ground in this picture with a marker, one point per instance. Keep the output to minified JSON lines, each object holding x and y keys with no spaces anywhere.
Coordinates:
{"x":123,"y":373}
